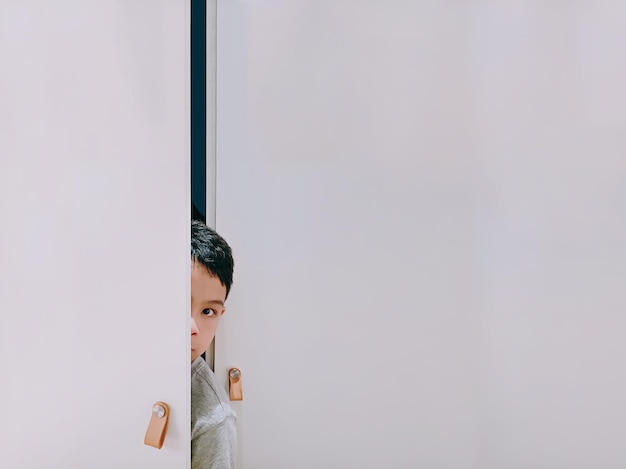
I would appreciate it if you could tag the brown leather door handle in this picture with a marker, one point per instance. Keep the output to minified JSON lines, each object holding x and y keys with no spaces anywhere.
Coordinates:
{"x":157,"y":428}
{"x":234,"y":384}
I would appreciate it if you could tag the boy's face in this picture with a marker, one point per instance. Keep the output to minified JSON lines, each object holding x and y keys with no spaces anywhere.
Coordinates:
{"x":207,"y":306}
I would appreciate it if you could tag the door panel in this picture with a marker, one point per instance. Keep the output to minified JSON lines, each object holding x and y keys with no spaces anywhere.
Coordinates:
{"x":94,"y":209}
{"x":425,"y":201}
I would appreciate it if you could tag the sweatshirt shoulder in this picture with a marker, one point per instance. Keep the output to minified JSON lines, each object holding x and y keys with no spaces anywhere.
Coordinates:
{"x":209,"y":403}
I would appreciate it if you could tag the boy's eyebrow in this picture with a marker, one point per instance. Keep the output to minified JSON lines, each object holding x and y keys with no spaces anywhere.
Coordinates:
{"x":219,"y":302}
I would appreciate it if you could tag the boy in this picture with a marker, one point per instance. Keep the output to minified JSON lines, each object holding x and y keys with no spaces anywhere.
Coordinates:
{"x":213,"y":433}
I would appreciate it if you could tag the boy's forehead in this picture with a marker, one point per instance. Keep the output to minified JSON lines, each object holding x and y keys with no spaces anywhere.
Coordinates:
{"x":199,"y":266}
{"x":205,"y":285}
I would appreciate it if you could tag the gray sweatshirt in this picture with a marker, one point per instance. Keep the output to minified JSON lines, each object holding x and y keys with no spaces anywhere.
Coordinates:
{"x":213,"y":431}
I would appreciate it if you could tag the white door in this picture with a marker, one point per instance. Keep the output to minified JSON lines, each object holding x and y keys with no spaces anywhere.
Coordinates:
{"x":94,"y":232}
{"x":426,"y":204}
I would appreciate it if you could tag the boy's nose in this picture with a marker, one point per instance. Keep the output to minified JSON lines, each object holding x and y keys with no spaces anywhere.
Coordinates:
{"x":194,"y":327}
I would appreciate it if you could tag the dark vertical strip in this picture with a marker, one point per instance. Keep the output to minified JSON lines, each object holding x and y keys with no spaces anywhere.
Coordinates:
{"x":198,"y":109}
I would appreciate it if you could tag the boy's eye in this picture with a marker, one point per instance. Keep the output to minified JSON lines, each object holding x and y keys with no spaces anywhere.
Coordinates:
{"x":209,"y":312}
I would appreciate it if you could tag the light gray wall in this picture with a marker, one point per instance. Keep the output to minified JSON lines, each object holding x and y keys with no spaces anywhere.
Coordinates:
{"x":94,"y":232}
{"x":426,"y":201}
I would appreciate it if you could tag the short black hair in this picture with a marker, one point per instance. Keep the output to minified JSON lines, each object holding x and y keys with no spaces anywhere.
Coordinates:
{"x":213,"y":252}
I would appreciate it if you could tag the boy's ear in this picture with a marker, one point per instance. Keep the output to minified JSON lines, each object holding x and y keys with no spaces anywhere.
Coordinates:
{"x":223,"y":311}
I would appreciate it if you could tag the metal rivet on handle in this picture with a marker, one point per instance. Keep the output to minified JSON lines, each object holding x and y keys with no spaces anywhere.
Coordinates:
{"x":158,"y":410}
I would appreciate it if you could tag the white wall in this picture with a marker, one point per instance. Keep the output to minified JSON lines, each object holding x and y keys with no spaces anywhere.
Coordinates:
{"x":550,"y":133}
{"x":94,"y":237}
{"x":426,"y":204}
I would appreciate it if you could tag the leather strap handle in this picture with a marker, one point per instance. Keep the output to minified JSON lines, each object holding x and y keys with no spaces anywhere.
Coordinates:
{"x":234,"y":384}
{"x":157,"y":428}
